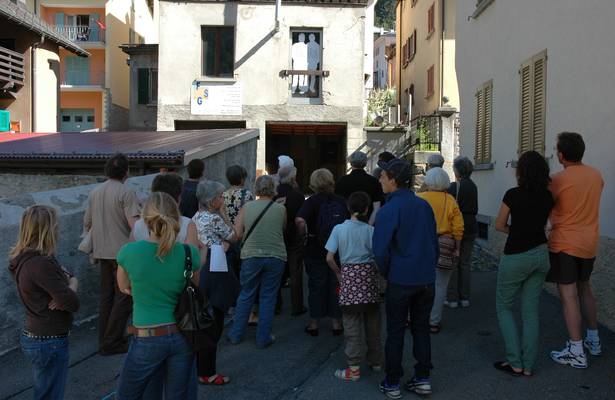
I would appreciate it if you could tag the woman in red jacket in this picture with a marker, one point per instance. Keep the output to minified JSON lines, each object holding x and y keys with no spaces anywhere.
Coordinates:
{"x":48,"y":293}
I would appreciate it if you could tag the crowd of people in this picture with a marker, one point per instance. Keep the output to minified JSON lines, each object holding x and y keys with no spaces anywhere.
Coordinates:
{"x":361,"y":241}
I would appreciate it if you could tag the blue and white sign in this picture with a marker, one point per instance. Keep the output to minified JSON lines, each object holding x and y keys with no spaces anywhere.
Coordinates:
{"x":215,"y":98}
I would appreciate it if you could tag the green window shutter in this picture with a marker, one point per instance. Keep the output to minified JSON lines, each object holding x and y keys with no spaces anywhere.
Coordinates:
{"x":60,"y":20}
{"x":5,"y":121}
{"x":94,"y":36}
{"x":143,"y":85}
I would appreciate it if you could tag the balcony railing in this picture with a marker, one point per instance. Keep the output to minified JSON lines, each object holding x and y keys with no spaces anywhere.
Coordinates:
{"x":11,"y":69}
{"x":82,"y":33}
{"x":83,"y":78}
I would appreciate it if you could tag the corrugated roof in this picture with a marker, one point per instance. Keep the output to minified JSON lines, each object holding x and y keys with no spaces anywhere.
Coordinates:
{"x":22,"y":16}
{"x":84,"y":149}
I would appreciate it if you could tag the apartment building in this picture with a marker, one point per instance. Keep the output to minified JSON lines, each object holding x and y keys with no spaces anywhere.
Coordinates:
{"x":426,"y":56}
{"x":29,"y":68}
{"x":528,"y":70}
{"x":296,"y":72}
{"x":383,"y":39}
{"x":94,"y":91}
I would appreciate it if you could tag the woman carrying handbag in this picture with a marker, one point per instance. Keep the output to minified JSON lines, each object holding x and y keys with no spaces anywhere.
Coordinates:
{"x":449,"y":225}
{"x":152,"y":272}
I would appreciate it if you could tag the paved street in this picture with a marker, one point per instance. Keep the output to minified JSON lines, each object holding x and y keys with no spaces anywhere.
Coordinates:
{"x":301,"y":367}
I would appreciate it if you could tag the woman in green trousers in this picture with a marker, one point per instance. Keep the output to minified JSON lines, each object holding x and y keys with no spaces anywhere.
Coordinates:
{"x":525,"y":261}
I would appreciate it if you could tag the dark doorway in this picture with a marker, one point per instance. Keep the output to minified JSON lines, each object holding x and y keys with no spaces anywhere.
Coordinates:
{"x":311,"y":146}
{"x":192,"y":125}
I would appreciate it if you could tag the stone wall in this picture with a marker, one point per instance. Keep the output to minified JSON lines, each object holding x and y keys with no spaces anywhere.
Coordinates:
{"x":17,"y":184}
{"x":71,"y":203}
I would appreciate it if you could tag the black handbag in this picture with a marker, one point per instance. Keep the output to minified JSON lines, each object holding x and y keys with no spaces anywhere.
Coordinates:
{"x":193,"y":319}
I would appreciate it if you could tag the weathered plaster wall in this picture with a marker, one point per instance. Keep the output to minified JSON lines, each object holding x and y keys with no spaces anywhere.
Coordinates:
{"x":260,"y":55}
{"x":71,"y":203}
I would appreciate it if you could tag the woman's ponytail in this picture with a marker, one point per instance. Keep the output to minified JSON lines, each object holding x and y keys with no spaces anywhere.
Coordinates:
{"x":161,"y":215}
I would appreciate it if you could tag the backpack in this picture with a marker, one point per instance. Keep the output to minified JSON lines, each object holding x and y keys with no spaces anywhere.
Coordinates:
{"x":330,"y":214}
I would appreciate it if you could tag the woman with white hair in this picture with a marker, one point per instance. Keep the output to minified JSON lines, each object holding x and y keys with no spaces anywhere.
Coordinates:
{"x":218,"y":282}
{"x":449,"y":225}
{"x":261,"y":225}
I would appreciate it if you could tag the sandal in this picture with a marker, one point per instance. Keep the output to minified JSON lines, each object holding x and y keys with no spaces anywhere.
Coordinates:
{"x":348,"y":374}
{"x":505,"y":367}
{"x":434,"y":329}
{"x":215,"y":380}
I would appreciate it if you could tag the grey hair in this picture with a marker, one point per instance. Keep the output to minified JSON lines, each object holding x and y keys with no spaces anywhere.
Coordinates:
{"x":207,"y":191}
{"x":287,"y":175}
{"x":321,"y":181}
{"x":358,"y":159}
{"x":435,"y":160}
{"x":463,"y":166}
{"x":437,"y":180}
{"x":265,"y":185}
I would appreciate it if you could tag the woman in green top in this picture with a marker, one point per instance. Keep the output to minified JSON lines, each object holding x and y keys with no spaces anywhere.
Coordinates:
{"x":262,"y":260}
{"x":152,"y":272}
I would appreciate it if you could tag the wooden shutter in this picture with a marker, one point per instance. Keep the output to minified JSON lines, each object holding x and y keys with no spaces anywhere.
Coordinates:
{"x":143,"y":85}
{"x":480,"y":123}
{"x":484,"y":107}
{"x":525,"y":109}
{"x":60,"y":20}
{"x":532,"y":104}
{"x":539,"y":102}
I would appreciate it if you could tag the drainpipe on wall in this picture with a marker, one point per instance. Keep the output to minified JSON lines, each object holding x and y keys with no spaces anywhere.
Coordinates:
{"x":278,"y":5}
{"x":442,"y":32}
{"x":33,"y":83}
{"x":399,"y":57}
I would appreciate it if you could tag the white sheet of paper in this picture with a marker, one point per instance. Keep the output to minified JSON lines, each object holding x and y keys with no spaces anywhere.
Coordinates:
{"x":218,"y":259}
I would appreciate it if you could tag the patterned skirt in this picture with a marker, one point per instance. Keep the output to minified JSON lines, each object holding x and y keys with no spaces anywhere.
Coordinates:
{"x":359,"y":286}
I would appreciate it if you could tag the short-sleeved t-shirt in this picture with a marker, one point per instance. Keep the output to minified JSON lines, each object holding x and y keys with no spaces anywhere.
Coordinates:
{"x":575,"y":217}
{"x":155,"y":283}
{"x":309,"y":213}
{"x":352,"y":240}
{"x":529,"y":212}
{"x":109,"y":207}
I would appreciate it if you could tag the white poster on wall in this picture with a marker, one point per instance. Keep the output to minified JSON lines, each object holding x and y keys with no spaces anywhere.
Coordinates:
{"x":215,"y":98}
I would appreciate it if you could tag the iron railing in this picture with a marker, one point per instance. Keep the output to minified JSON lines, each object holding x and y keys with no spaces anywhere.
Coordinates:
{"x":83,"y":78}
{"x":82,"y":33}
{"x":426,"y":133}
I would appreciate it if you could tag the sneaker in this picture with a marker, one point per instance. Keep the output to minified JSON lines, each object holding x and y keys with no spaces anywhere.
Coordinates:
{"x":451,"y":304}
{"x":465,"y":303}
{"x":348,"y":374}
{"x":420,"y":386}
{"x":593,"y":347}
{"x":390,"y":391}
{"x":566,"y":357}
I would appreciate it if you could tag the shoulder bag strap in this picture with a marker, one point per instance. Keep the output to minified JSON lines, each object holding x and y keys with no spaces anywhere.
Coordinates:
{"x":187,"y":264}
{"x":256,"y":221}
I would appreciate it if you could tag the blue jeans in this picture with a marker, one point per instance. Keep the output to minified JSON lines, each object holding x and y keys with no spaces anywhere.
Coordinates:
{"x":323,"y":299}
{"x":49,"y":358}
{"x":266,"y":272}
{"x":417,"y":300}
{"x":147,"y":355}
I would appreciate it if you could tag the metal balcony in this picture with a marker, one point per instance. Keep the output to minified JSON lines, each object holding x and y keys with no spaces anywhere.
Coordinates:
{"x":81,"y":34}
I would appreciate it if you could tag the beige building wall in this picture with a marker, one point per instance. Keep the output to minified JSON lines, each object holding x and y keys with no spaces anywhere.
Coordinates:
{"x":260,"y":55}
{"x":431,"y":50}
{"x":47,"y":89}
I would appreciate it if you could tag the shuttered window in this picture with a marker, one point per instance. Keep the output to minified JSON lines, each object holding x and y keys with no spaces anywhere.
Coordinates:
{"x":532,"y":104}
{"x":484,"y":113}
{"x":431,"y":19}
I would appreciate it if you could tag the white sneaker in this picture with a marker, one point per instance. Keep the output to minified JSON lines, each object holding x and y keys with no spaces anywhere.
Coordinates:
{"x":451,"y":304}
{"x":593,"y":347}
{"x":465,"y":303}
{"x":566,"y":357}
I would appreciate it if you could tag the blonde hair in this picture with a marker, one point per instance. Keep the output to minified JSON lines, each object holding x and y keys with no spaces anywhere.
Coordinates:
{"x":321,"y":181}
{"x":38,"y":231}
{"x":161,"y":216}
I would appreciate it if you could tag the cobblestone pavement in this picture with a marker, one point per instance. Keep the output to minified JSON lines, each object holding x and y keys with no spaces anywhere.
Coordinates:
{"x":301,"y":367}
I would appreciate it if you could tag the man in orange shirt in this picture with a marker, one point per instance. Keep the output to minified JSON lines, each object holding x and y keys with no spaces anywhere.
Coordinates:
{"x":573,"y":244}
